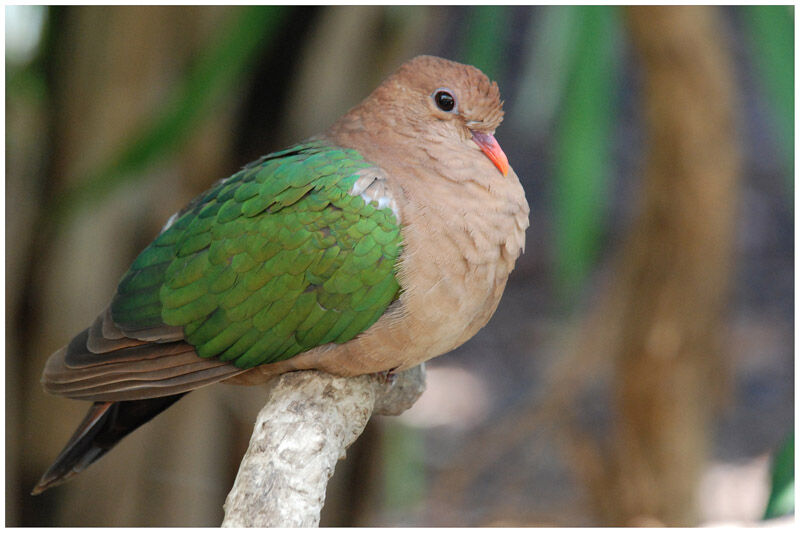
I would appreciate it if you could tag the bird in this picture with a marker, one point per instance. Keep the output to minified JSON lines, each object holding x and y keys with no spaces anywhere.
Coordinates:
{"x":372,"y":247}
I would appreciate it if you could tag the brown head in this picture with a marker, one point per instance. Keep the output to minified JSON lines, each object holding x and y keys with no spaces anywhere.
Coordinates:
{"x":430,"y":97}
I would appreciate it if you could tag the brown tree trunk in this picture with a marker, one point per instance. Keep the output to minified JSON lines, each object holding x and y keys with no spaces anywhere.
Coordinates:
{"x":672,"y":282}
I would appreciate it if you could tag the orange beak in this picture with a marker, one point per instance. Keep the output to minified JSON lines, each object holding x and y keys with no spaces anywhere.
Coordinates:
{"x":488,"y":144}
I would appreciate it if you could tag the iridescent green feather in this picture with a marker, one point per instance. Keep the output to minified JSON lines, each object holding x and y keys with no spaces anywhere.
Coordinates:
{"x":269,"y":263}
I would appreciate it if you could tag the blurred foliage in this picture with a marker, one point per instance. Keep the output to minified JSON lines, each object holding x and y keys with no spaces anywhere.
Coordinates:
{"x":404,"y":469}
{"x":781,"y":497}
{"x":583,"y":142}
{"x":220,"y":68}
{"x":23,"y":68}
{"x":544,"y":76}
{"x":771,"y":31}
{"x":484,"y":39}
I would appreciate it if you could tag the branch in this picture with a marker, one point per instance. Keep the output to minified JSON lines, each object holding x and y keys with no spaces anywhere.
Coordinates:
{"x":308,"y":422}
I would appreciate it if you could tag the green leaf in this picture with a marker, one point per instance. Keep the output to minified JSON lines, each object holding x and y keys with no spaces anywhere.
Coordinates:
{"x":403,"y":453}
{"x":771,"y":30}
{"x":583,"y":144}
{"x":485,"y":43}
{"x":781,"y":497}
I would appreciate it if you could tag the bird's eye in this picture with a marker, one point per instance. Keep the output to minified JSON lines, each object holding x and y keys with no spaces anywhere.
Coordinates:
{"x":444,"y":100}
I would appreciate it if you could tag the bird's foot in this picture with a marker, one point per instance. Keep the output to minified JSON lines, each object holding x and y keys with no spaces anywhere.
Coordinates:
{"x":387,"y":377}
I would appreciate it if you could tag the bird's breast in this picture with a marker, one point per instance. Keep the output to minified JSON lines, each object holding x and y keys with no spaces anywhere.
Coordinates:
{"x":457,"y":256}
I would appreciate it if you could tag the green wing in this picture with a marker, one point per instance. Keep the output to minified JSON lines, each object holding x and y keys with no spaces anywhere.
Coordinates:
{"x":271,"y":262}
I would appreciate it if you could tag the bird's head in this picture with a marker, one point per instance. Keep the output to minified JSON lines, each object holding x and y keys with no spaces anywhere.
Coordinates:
{"x":445,"y":100}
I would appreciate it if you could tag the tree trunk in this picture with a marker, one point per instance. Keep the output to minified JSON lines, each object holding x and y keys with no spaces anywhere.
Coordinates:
{"x":673,"y":278}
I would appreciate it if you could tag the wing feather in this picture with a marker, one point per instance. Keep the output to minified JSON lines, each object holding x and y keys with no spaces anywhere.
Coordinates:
{"x":129,"y":372}
{"x":283,"y":256}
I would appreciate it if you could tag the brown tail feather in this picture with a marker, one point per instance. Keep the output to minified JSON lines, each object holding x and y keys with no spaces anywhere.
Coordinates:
{"x":104,"y":426}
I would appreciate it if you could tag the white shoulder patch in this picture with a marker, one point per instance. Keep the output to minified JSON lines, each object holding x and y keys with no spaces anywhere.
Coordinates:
{"x":372,"y":187}
{"x":170,"y":221}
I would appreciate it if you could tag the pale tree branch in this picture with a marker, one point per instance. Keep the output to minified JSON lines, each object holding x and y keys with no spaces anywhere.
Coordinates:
{"x":308,"y":422}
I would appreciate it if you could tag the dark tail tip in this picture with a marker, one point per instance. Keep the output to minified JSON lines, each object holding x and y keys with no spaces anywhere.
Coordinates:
{"x":80,"y":451}
{"x":102,"y":428}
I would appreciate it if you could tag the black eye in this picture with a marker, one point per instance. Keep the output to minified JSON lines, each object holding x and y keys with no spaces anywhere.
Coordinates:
{"x":444,"y":100}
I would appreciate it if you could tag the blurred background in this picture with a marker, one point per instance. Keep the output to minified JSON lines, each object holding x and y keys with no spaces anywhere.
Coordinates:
{"x":639,"y":369}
